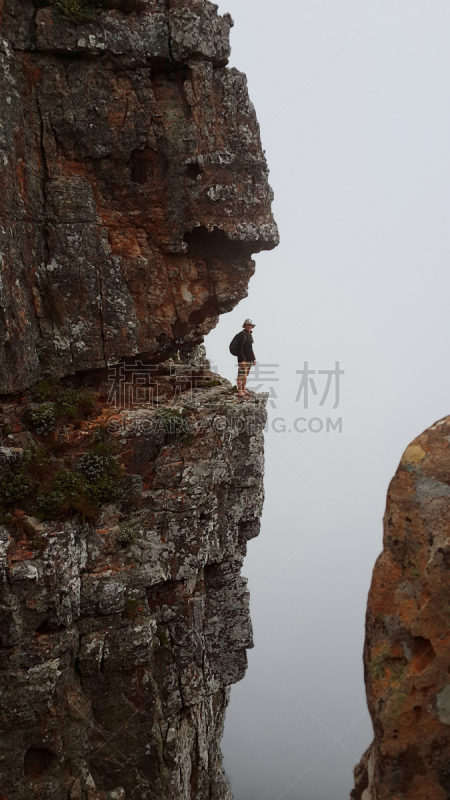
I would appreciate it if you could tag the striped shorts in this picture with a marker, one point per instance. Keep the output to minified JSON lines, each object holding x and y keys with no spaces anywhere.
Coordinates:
{"x":244,"y":368}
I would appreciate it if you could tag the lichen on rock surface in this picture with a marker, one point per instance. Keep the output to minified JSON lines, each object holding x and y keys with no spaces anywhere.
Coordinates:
{"x":134,"y":193}
{"x":120,"y":635}
{"x":134,"y":184}
{"x":407,"y":649}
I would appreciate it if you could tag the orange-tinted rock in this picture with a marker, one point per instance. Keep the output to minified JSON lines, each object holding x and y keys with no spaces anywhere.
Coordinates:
{"x":134,"y":192}
{"x":134,"y":187}
{"x":407,"y":650}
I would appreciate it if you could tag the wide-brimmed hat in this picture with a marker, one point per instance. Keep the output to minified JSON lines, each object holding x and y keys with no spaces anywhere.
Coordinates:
{"x":249,"y":322}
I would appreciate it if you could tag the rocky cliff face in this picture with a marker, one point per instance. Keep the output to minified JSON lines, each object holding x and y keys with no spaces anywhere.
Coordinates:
{"x":134,"y":192}
{"x":407,"y":651}
{"x":134,"y":187}
{"x":121,"y":635}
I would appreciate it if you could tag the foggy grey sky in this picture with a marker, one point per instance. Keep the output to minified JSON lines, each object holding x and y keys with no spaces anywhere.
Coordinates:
{"x":353,"y":98}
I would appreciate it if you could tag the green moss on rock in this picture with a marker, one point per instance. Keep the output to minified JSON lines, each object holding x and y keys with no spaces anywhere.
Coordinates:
{"x":78,"y":11}
{"x":172,"y":422}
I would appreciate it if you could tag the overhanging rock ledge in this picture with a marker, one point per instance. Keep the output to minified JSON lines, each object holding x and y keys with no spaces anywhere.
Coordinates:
{"x":134,"y":186}
{"x":134,"y":193}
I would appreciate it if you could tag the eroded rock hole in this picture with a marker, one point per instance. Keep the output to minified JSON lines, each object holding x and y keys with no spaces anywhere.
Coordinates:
{"x":147,"y":165}
{"x":45,"y":627}
{"x":445,"y":553}
{"x":193,"y":171}
{"x":214,"y":244}
{"x":424,"y":655}
{"x":37,"y":761}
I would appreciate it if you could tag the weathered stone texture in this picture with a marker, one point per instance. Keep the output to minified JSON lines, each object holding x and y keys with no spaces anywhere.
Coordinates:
{"x":133,"y":193}
{"x":407,"y":650}
{"x":134,"y":187}
{"x":116,"y":658}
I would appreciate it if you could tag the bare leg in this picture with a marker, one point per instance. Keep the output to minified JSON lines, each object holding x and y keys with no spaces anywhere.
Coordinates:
{"x":247,"y":370}
{"x":241,"y":380}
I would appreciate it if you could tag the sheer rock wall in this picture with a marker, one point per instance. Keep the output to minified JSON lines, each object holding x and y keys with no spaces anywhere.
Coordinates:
{"x":119,"y":640}
{"x":134,"y":193}
{"x":134,"y":187}
{"x":407,"y":649}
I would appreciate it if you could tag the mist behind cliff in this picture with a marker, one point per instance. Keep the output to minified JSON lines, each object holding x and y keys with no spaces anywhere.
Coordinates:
{"x":353,"y":102}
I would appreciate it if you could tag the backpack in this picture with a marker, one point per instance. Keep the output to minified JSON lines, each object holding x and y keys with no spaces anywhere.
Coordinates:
{"x":234,"y":345}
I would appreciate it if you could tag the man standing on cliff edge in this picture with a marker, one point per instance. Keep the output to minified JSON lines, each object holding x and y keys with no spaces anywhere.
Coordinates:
{"x":245,"y":356}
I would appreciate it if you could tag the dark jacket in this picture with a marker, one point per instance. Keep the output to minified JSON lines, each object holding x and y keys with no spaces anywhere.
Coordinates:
{"x":245,"y":346}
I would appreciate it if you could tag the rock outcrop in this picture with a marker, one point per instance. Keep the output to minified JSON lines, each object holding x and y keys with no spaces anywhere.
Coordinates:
{"x":407,"y":650}
{"x":134,"y":187}
{"x":134,"y":193}
{"x":120,"y":637}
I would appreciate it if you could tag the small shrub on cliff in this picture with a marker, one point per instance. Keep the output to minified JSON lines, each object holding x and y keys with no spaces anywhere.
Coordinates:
{"x":23,"y":482}
{"x":43,"y":390}
{"x":103,"y":475}
{"x":60,"y":405}
{"x":80,"y":490}
{"x":68,"y":402}
{"x":51,"y":487}
{"x":19,"y":483}
{"x":14,"y":486}
{"x":101,"y":435}
{"x":172,"y":422}
{"x":78,"y":11}
{"x":68,"y":495}
{"x":39,"y":464}
{"x":49,"y":506}
{"x":42,"y":419}
{"x":71,"y":403}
